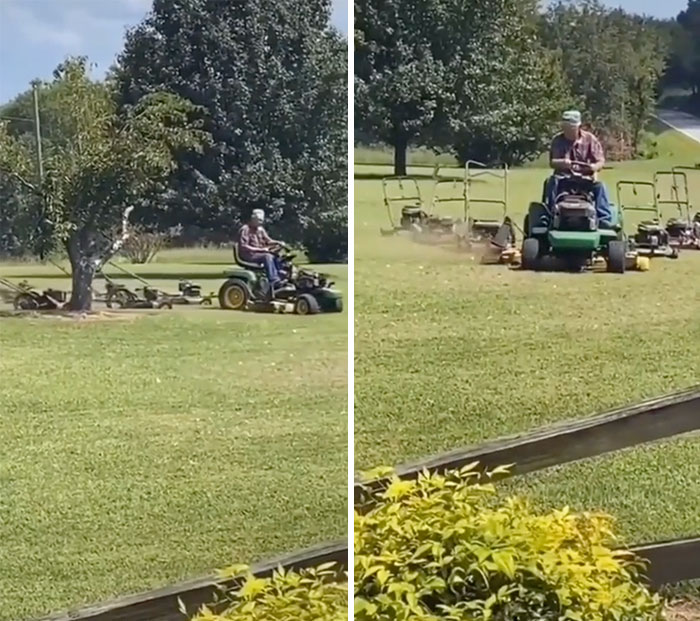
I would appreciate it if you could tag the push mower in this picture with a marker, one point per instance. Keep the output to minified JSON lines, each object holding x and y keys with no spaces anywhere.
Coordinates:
{"x":571,"y":233}
{"x":651,"y":238}
{"x":497,"y":235}
{"x":412,"y":218}
{"x":26,"y":297}
{"x":306,"y":292}
{"x":684,"y":230}
{"x":149,"y":296}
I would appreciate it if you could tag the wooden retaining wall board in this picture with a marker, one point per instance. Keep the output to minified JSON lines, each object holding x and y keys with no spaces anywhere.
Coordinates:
{"x":561,"y":443}
{"x":671,"y":561}
{"x":162,"y":604}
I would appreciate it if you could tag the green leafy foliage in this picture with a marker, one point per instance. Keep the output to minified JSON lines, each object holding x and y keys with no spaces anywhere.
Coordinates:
{"x":272,"y":80}
{"x":684,"y":61}
{"x":613,"y":62}
{"x":488,"y":80}
{"x":446,"y":547}
{"x":97,"y":162}
{"x":451,"y":74}
{"x":308,"y":595}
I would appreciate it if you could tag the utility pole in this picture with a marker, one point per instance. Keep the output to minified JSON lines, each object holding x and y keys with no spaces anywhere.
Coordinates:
{"x":37,"y":132}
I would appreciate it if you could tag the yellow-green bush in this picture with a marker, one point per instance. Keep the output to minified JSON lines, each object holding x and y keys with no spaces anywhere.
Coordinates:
{"x":447,"y":547}
{"x":309,"y":595}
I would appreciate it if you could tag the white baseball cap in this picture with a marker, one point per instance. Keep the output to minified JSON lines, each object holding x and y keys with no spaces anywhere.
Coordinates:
{"x":259,"y":214}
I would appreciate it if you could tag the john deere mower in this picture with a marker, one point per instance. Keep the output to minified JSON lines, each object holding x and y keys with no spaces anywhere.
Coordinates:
{"x":571,"y":234}
{"x":306,"y":292}
{"x":651,"y":238}
{"x":496,"y":235}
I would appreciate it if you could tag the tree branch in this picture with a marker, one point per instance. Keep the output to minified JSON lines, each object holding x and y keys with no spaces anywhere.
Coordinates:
{"x":119,"y":242}
{"x":30,"y":186}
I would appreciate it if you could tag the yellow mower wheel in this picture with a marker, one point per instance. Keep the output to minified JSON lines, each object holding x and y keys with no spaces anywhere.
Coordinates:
{"x":643,"y":264}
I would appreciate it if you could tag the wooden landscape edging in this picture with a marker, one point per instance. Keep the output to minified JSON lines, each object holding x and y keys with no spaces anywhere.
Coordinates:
{"x":561,"y":443}
{"x":671,"y":561}
{"x":163,"y":604}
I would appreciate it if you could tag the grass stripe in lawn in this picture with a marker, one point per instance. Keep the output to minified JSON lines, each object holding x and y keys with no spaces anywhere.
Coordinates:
{"x":142,"y":451}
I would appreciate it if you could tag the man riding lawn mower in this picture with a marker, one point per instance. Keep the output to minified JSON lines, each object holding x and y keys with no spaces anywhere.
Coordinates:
{"x":576,"y":223}
{"x":267,"y":280}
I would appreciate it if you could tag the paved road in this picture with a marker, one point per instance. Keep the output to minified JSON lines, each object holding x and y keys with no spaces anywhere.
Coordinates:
{"x":684,"y":123}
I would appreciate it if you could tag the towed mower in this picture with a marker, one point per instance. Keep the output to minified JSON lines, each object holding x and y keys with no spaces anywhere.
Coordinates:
{"x":26,"y":297}
{"x":497,"y":235}
{"x":651,"y":238}
{"x":120,"y":296}
{"x":572,"y":234}
{"x":412,"y":218}
{"x":306,"y":293}
{"x":684,"y":230}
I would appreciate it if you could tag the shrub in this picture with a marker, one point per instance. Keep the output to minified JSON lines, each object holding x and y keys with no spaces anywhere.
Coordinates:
{"x":447,"y":547}
{"x":326,"y":237}
{"x":143,"y":244}
{"x":309,"y":595}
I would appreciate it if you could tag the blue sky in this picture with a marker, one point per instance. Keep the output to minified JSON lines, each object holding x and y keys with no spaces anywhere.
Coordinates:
{"x":36,"y":35}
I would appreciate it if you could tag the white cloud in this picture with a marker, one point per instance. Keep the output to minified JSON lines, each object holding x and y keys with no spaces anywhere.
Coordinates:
{"x":39,"y":31}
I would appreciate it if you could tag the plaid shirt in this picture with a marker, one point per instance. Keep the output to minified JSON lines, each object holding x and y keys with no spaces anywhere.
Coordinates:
{"x":252,"y":241}
{"x":586,"y":148}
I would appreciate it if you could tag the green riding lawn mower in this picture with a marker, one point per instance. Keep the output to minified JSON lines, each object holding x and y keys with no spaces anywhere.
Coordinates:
{"x":306,"y":292}
{"x":570,"y":235}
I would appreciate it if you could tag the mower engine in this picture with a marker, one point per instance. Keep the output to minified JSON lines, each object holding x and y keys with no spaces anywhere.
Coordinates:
{"x":411,"y":216}
{"x":307,"y":280}
{"x":189,"y":289}
{"x":575,"y":213}
{"x":438,"y":224}
{"x":652,"y":235}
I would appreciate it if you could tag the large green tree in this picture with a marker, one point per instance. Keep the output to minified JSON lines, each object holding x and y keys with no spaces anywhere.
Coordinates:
{"x":272,"y":77}
{"x":97,"y":164}
{"x":454,"y":74}
{"x":613,"y":62}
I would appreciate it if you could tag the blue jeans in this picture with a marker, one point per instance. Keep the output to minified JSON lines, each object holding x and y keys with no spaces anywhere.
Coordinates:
{"x":600,"y":195}
{"x":270,"y":263}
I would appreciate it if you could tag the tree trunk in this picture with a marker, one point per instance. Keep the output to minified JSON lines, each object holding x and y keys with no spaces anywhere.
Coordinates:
{"x":82,"y":271}
{"x":400,"y":147}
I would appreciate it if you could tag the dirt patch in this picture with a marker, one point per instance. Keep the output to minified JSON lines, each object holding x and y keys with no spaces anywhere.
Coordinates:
{"x":683,"y":611}
{"x":121,"y":315}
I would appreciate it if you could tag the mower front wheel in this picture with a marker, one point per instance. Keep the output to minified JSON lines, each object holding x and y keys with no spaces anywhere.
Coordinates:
{"x":306,"y":304}
{"x":617,"y":256}
{"x":531,"y":253}
{"x":234,"y":295}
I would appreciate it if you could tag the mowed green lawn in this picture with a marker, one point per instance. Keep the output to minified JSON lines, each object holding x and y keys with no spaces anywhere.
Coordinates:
{"x":449,"y":353}
{"x":143,"y":449}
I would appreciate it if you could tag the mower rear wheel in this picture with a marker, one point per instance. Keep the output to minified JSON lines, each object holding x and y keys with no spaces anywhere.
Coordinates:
{"x":306,"y":304}
{"x":531,"y":253}
{"x":25,"y":301}
{"x":234,"y":295}
{"x":617,"y":256}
